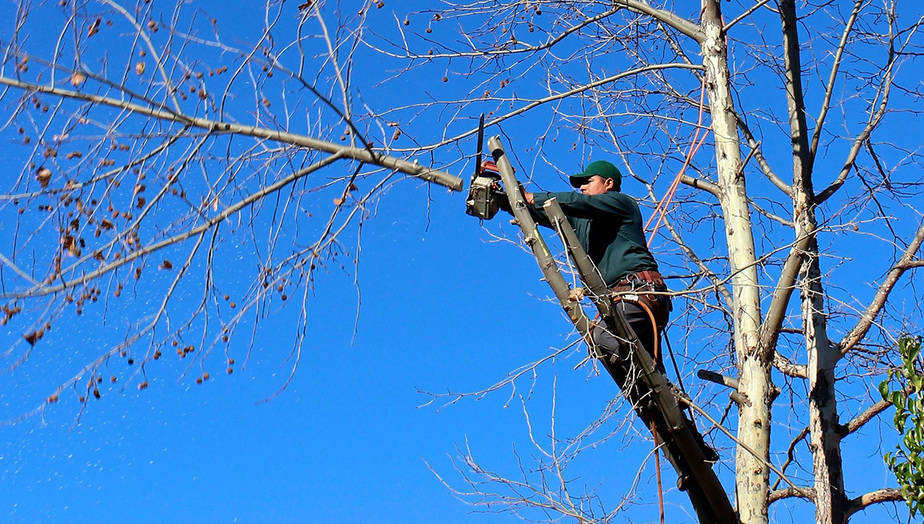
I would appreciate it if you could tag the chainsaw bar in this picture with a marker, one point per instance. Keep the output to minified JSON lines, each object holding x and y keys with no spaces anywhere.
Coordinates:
{"x":480,"y":142}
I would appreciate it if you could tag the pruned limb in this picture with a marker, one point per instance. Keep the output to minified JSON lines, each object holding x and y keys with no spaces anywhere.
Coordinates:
{"x":729,"y":382}
{"x":700,"y":183}
{"x":785,"y":493}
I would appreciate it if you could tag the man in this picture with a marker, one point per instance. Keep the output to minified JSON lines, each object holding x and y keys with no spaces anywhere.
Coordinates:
{"x":608,"y":225}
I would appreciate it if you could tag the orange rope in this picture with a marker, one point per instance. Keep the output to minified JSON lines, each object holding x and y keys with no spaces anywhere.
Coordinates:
{"x":658,"y":470}
{"x":660,"y":210}
{"x":654,"y":429}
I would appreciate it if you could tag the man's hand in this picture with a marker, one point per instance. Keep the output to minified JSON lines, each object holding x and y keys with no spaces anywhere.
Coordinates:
{"x":527,"y":196}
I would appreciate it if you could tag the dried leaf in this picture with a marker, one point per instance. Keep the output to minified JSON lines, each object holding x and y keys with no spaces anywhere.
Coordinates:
{"x":139,"y":67}
{"x":33,"y":337}
{"x":43,"y":175}
{"x":94,"y":27}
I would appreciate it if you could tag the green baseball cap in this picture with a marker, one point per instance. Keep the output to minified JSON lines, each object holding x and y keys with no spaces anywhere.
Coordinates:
{"x":601,"y":168}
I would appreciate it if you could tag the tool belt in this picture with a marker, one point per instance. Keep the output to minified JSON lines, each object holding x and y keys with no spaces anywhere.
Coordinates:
{"x":639,"y":287}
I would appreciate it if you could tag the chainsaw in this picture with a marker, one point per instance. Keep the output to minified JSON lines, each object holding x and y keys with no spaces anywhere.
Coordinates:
{"x":485,"y":191}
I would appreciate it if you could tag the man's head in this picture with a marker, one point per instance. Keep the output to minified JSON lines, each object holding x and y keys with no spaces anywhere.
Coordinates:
{"x":598,"y":178}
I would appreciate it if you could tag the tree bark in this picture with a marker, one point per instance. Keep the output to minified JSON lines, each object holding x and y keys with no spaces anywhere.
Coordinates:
{"x":753,"y":475}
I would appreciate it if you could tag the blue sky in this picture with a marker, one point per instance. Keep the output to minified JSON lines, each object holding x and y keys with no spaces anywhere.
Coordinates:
{"x":356,"y":436}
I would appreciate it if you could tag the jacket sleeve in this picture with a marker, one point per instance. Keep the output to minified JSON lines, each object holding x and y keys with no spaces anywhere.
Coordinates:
{"x":536,"y":211}
{"x":589,"y":206}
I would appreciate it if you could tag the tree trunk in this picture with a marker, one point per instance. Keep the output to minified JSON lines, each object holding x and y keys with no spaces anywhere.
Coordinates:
{"x":753,"y":364}
{"x":830,"y":499}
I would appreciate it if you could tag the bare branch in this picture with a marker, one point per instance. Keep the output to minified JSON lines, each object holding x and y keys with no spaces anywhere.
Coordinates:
{"x":864,"y":417}
{"x":681,"y":24}
{"x":835,"y":67}
{"x":745,"y":14}
{"x":906,"y":262}
{"x":762,"y":160}
{"x":873,"y":497}
{"x":363,"y":155}
{"x":785,"y":284}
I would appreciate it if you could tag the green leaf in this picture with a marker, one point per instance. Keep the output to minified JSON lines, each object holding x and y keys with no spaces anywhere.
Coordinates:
{"x":884,"y":389}
{"x":897,"y":399}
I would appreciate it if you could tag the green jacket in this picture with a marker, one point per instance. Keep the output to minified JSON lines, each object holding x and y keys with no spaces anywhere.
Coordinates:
{"x":609,"y":228}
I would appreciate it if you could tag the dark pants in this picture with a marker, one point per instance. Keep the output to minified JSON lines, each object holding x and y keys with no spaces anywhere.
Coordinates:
{"x":640,"y":321}
{"x":617,"y":353}
{"x":618,"y":360}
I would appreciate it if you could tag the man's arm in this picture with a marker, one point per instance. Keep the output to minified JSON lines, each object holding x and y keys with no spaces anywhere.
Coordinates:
{"x":587,"y":206}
